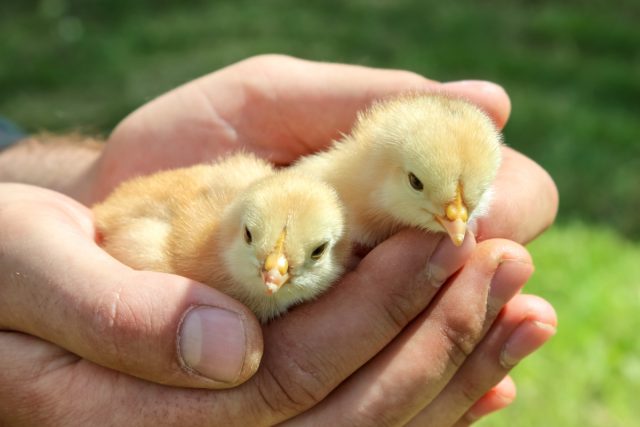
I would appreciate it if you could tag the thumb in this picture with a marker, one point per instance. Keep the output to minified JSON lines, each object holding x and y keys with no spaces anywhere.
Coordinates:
{"x":57,"y":284}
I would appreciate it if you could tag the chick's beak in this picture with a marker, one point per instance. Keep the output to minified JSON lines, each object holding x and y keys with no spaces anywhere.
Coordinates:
{"x":275,"y":271}
{"x":455,"y":219}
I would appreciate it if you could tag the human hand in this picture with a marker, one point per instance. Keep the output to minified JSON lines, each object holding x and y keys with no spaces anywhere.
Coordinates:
{"x":282,"y":108}
{"x":79,"y":330}
{"x":145,"y":142}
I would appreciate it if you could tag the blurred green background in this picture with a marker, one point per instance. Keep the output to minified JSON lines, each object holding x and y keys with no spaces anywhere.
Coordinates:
{"x":572,"y":70}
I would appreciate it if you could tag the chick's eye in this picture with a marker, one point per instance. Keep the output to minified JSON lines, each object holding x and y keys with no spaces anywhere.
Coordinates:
{"x":317,"y":252}
{"x":247,"y":235}
{"x":415,"y":182}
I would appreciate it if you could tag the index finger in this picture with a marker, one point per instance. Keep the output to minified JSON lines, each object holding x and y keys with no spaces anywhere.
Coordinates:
{"x":309,"y":112}
{"x":304,"y":105}
{"x":318,"y":345}
{"x":277,"y":106}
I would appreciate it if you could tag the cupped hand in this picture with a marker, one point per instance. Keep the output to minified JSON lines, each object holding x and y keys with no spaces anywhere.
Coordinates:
{"x":88,"y":341}
{"x":58,"y":285}
{"x":111,"y":335}
{"x":281,"y":108}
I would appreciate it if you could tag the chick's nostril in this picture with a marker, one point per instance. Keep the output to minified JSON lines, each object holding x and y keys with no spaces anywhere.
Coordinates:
{"x":276,"y":261}
{"x":452,"y":212}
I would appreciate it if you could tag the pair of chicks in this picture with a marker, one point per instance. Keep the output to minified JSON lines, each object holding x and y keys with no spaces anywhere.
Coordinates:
{"x":274,"y":238}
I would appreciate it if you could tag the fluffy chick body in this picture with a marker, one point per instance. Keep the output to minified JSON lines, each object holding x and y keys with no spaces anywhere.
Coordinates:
{"x":450,"y":145}
{"x":194,"y":222}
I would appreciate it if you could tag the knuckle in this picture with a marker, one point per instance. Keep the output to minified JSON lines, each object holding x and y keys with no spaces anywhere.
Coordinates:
{"x":115,"y":322}
{"x":461,"y":332}
{"x":400,"y":309}
{"x":278,"y":395}
{"x":472,"y":389}
{"x":377,"y":412}
{"x":267,"y":61}
{"x":294,"y":382}
{"x":411,"y":77}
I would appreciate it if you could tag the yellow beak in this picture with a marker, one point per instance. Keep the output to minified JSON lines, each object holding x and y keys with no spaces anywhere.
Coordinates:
{"x":275,"y":271}
{"x":455,"y":219}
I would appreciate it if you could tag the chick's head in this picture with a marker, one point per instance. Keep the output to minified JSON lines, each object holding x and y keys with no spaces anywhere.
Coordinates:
{"x":287,"y":239}
{"x":437,"y":157}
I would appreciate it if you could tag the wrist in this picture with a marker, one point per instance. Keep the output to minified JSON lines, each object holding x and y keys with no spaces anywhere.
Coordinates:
{"x":62,"y":164}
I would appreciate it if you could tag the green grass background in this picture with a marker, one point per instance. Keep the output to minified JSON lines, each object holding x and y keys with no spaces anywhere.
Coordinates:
{"x":572,"y":69}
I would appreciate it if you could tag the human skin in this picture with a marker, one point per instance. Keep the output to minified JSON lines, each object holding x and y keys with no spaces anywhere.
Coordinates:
{"x":110,"y":336}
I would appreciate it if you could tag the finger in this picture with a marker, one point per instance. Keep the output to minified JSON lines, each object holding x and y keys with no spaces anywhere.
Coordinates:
{"x":44,"y":385}
{"x":57,"y":284}
{"x":524,"y":325}
{"x":311,"y":112}
{"x":489,"y":96}
{"x":310,"y":351}
{"x":515,"y":214}
{"x":496,"y":399}
{"x":416,"y":366}
{"x":277,"y":106}
{"x":317,"y":345}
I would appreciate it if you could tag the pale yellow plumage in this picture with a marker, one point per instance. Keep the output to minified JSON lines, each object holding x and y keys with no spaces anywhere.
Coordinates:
{"x":426,"y":161}
{"x":238,"y":225}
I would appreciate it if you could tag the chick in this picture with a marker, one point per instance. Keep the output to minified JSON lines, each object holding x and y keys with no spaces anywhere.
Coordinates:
{"x":426,"y":161}
{"x":268,"y":238}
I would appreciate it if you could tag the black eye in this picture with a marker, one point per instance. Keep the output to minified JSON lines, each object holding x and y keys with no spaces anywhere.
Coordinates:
{"x":247,"y":235}
{"x":415,"y":182}
{"x":317,"y":252}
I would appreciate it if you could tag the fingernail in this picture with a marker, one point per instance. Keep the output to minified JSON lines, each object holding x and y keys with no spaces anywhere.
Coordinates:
{"x":502,"y":287}
{"x":212,"y":343}
{"x":527,"y":338}
{"x":444,"y":260}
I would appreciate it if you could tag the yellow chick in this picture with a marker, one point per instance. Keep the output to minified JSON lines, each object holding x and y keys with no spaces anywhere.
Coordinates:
{"x":420,"y":160}
{"x":268,"y":238}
